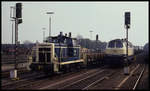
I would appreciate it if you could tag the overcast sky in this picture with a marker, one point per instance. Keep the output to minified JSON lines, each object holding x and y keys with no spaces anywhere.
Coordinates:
{"x":103,"y":18}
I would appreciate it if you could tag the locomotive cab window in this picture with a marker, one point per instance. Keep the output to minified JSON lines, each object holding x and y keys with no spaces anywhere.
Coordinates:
{"x":119,"y":44}
{"x":44,"y":54}
{"x":34,"y":56}
{"x":75,"y":52}
{"x":111,"y":44}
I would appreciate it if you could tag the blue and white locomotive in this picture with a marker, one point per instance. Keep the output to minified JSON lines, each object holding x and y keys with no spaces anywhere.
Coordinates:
{"x":56,"y":54}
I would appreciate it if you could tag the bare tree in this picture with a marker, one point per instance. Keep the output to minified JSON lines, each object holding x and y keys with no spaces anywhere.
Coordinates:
{"x":27,"y":42}
{"x":79,"y":37}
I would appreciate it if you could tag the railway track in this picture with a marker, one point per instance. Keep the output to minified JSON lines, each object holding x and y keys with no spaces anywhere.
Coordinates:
{"x":63,"y":84}
{"x":56,"y":80}
{"x":71,"y":79}
{"x":22,"y":77}
{"x":140,"y":76}
{"x":131,"y":81}
{"x":79,"y":80}
{"x":12,"y":61}
{"x":109,"y":82}
{"x":84,"y":80}
{"x":88,"y":81}
{"x":23,"y":80}
{"x":6,"y":74}
{"x":27,"y":81}
{"x":98,"y":81}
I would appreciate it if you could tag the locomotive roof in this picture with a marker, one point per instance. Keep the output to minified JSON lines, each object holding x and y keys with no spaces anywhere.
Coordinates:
{"x":122,"y":40}
{"x":62,"y":39}
{"x":56,"y":37}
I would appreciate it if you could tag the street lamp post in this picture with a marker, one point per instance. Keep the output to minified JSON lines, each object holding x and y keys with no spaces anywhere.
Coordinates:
{"x":12,"y":31}
{"x":49,"y":22}
{"x":43,"y":34}
{"x":12,"y":14}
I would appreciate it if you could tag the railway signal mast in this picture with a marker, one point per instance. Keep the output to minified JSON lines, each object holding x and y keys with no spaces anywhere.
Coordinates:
{"x":127,"y":26}
{"x":97,"y":42}
{"x":17,"y":17}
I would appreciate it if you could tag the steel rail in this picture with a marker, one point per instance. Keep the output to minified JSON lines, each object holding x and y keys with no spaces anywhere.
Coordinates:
{"x":6,"y":74}
{"x":138,"y":80}
{"x":99,"y":80}
{"x":51,"y":85}
{"x":40,"y":81}
{"x":30,"y":76}
{"x":82,"y":79}
{"x":125,"y":79}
